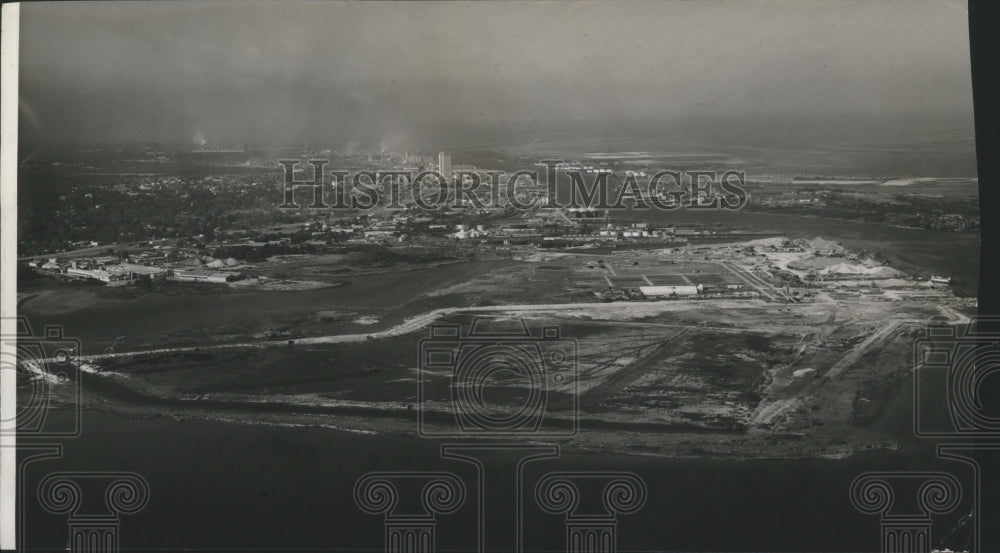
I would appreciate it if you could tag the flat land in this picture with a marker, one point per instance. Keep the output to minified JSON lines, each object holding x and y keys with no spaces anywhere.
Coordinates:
{"x":796,"y":368}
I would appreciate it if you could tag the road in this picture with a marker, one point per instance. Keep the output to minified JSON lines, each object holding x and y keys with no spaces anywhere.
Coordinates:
{"x":421,"y":321}
{"x":405,"y":327}
{"x":755,"y":282}
{"x":87,"y":251}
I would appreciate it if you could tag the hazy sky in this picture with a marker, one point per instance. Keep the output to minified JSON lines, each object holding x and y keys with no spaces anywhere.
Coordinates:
{"x":279,"y":72}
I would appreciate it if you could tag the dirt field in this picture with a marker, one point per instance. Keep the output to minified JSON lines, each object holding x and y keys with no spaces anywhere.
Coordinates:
{"x":811,"y":378}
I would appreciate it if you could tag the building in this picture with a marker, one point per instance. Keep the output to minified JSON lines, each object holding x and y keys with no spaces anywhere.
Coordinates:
{"x":519,"y":229}
{"x":659,"y":291}
{"x":418,"y":159}
{"x":201,"y":275}
{"x":135,"y":270}
{"x":96,"y":274}
{"x":464,"y":233}
{"x":444,"y":166}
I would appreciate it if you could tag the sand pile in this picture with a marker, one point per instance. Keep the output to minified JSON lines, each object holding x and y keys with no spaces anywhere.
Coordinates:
{"x":860,"y":270}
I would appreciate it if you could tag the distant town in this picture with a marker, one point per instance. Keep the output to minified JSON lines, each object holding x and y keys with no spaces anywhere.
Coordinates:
{"x":218,"y":223}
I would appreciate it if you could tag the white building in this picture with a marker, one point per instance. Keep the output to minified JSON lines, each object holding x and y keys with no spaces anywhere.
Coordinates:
{"x":201,"y":275}
{"x":444,"y":166}
{"x":659,"y":291}
{"x":97,"y":274}
{"x":136,"y":271}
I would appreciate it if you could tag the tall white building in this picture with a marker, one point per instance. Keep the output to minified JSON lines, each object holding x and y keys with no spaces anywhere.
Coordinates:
{"x":444,"y":166}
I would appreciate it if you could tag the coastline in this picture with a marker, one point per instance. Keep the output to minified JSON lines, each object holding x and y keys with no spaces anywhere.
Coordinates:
{"x":593,"y":437}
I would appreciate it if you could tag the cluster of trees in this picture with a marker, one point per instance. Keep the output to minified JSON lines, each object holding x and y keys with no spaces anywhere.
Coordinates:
{"x":260,"y":253}
{"x":57,"y":208}
{"x":376,"y":255}
{"x":904,"y":210}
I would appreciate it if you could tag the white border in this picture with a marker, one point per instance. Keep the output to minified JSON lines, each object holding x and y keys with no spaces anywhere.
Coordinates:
{"x":9,"y":42}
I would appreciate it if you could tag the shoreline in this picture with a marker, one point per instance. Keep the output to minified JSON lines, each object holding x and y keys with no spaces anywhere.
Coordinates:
{"x":593,"y":437}
{"x":680,"y":446}
{"x":841,"y":220}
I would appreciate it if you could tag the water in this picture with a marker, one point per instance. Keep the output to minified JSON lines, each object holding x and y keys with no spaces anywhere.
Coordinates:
{"x":230,"y":486}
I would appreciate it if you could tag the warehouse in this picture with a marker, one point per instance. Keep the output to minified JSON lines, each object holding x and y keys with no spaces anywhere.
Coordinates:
{"x":201,"y":275}
{"x":685,"y":290}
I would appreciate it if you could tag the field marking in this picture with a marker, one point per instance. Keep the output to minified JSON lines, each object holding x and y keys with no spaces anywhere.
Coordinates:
{"x":876,"y":340}
{"x":767,"y":413}
{"x":626,"y":375}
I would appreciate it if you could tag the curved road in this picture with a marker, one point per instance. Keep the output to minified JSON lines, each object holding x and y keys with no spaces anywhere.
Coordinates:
{"x":404,"y":327}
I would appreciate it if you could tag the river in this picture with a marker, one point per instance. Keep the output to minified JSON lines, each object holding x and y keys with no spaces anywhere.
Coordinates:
{"x":217,"y":485}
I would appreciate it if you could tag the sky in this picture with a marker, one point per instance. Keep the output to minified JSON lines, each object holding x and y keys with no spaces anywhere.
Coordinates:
{"x":399,"y":74}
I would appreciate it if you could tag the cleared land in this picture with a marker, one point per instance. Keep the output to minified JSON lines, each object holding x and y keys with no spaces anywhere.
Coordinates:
{"x":805,"y":369}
